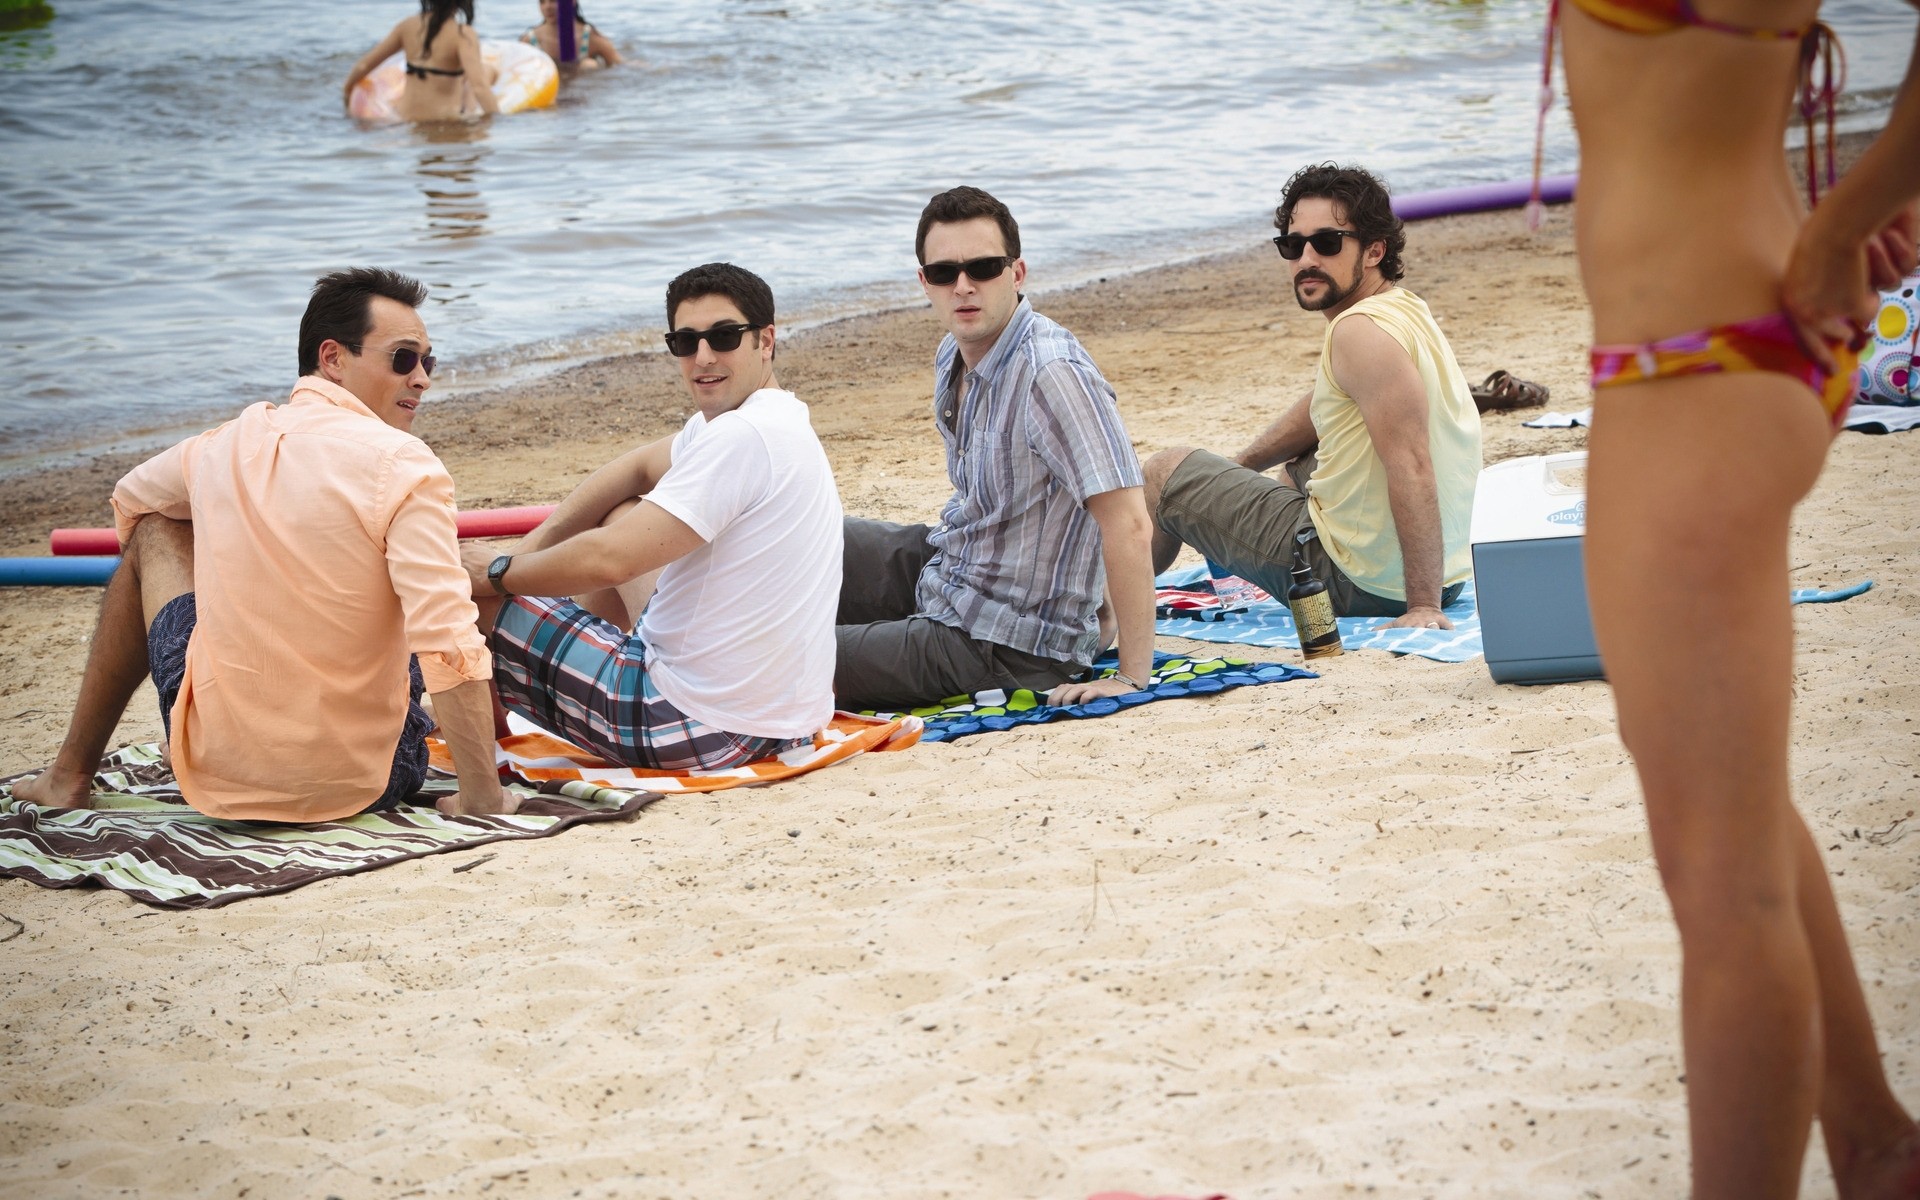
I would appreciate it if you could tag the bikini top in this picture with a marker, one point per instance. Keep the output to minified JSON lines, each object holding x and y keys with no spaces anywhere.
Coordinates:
{"x":1664,"y":16}
{"x":532,"y":38}
{"x":1823,"y":69}
{"x":421,"y":72}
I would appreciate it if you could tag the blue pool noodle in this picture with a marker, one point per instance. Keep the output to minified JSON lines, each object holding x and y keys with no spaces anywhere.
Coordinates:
{"x":75,"y":571}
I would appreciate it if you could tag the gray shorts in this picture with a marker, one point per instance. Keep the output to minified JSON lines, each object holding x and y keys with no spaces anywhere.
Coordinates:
{"x":890,"y":657}
{"x":1246,"y":522}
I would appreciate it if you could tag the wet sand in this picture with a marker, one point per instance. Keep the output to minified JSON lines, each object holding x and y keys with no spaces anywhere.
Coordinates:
{"x":1391,"y":932}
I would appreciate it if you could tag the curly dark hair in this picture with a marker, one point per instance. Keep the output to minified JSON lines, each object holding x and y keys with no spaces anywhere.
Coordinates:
{"x":341,"y":308}
{"x":1361,"y":198}
{"x":965,"y":204}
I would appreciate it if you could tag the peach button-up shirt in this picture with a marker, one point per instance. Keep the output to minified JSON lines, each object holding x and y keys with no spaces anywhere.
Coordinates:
{"x":324,"y":552}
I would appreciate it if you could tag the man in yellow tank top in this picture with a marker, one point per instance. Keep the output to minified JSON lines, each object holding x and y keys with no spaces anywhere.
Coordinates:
{"x":1382,"y":458}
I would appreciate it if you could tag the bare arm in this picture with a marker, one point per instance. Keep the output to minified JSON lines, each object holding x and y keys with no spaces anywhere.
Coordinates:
{"x":1861,"y":237}
{"x":383,"y":50}
{"x":465,"y":715}
{"x":1373,"y":368}
{"x":647,"y":538}
{"x":479,"y":79}
{"x":634,"y":473}
{"x":599,"y":44}
{"x":1288,"y":438}
{"x":1125,"y":535}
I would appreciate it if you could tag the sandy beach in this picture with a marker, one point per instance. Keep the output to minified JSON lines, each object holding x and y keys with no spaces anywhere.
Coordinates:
{"x":1393,"y":932}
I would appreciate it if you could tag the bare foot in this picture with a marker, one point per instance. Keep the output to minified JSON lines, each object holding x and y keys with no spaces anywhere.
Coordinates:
{"x":1890,"y":1173}
{"x":52,"y":789}
{"x":464,"y":804}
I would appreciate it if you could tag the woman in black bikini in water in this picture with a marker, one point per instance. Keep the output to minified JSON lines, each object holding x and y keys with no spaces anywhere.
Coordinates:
{"x":446,"y":79}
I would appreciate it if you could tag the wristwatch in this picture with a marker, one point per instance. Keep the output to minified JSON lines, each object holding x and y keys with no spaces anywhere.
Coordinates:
{"x":497,"y":573}
{"x":1129,"y":680}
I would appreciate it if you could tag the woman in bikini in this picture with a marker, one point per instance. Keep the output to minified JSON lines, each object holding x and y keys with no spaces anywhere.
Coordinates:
{"x":1724,"y":315}
{"x":446,"y":80}
{"x":593,"y":48}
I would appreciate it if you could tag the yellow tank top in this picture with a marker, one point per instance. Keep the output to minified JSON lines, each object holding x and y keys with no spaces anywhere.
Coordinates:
{"x":1347,"y":496}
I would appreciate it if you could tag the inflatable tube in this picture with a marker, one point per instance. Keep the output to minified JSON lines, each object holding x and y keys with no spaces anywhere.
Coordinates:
{"x":481,"y":523}
{"x":524,"y":78}
{"x":56,"y":572}
{"x":1446,"y":202}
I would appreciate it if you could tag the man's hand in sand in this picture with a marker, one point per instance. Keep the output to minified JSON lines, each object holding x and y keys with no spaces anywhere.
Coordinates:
{"x":53,"y":789}
{"x":468,"y":803}
{"x":1421,"y":617}
{"x":1080,"y":693}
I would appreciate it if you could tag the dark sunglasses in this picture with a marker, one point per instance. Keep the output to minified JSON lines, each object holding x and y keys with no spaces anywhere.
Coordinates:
{"x":944,"y":274}
{"x":1325,"y":243}
{"x":685,"y":343}
{"x":406,"y":358}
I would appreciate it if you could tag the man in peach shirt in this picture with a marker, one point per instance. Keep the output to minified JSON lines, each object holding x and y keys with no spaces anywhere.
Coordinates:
{"x":276,"y":574}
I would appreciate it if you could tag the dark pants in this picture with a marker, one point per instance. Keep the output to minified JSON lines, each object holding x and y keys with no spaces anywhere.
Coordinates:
{"x":167,"y":640}
{"x":891,"y":658}
{"x":1247,"y":523}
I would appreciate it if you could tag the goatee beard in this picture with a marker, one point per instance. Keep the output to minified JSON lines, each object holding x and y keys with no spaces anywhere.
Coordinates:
{"x":1332,"y":296}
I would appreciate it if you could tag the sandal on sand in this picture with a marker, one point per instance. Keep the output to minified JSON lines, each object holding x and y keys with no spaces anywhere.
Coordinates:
{"x":1502,"y":391}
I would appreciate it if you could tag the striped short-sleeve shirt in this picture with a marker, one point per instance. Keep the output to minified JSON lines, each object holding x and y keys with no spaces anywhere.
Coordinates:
{"x":1017,"y":555}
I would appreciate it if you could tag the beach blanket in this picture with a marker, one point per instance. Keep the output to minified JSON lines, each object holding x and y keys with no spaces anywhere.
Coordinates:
{"x":537,"y":757}
{"x":1270,"y":624}
{"x":141,"y":838}
{"x":1861,"y":418}
{"x":1174,"y":675}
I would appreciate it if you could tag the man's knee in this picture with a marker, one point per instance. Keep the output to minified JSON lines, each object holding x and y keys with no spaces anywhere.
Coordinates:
{"x":1157,"y":470}
{"x":154,"y":534}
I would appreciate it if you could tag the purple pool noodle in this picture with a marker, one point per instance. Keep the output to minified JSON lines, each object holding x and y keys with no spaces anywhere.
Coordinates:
{"x":1479,"y":197}
{"x":565,"y":20}
{"x":71,"y":571}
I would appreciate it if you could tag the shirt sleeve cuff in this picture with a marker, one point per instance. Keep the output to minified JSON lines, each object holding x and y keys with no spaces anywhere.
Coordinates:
{"x":444,"y":672}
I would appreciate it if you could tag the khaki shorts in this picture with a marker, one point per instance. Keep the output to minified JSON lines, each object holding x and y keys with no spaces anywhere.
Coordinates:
{"x":1247,"y":522}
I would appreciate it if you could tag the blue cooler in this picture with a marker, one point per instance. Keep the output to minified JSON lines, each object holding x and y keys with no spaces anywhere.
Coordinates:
{"x":1529,"y":522}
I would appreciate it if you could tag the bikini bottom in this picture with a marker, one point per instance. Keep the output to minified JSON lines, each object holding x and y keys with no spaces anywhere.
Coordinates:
{"x":1757,"y":344}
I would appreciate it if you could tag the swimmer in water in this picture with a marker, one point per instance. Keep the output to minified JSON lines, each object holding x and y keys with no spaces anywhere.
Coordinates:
{"x":593,"y":48}
{"x":446,"y":79}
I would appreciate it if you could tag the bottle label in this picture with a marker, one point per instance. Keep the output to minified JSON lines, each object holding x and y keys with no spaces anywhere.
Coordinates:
{"x":1313,"y":618}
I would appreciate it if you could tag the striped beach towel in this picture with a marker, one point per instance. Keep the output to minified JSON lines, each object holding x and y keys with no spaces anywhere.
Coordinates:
{"x":539,"y":758}
{"x":1270,"y":624}
{"x":141,"y":838}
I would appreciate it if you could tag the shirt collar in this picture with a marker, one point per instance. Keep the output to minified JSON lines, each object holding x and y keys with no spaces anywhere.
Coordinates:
{"x":1010,"y":338}
{"x":325,"y":391}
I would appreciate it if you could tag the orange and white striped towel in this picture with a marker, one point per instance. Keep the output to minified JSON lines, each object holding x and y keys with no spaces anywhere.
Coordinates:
{"x":539,"y":757}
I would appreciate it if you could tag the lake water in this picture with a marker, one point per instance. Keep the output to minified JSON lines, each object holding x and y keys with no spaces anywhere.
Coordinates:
{"x":174,"y":173}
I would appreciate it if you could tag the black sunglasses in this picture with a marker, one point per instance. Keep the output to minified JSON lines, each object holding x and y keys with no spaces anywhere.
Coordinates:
{"x":944,"y":274}
{"x":685,"y":343}
{"x":406,"y":358}
{"x":1325,"y":243}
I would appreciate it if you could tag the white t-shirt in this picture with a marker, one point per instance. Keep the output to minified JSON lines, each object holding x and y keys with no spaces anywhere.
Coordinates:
{"x":739,"y":633}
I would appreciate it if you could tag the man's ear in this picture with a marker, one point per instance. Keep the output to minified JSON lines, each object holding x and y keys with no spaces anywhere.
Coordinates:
{"x":329,"y":356}
{"x":1019,"y":273}
{"x":1376,"y":251}
{"x":766,"y":333}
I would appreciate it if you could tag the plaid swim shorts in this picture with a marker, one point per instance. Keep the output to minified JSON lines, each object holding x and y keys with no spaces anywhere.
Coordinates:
{"x":167,"y":662}
{"x":581,"y":677}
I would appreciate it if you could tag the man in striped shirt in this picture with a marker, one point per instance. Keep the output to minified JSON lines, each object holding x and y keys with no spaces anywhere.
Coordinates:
{"x":1047,"y":519}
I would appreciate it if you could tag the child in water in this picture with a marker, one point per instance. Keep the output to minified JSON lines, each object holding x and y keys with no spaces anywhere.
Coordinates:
{"x":593,"y":48}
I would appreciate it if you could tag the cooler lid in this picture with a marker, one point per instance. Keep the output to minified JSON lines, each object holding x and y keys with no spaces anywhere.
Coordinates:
{"x":1526,"y":499}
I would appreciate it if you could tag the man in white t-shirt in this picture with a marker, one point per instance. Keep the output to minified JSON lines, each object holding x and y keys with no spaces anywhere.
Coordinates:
{"x":719,"y":549}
